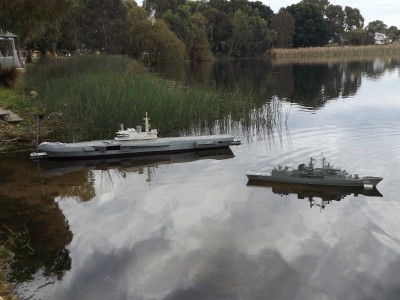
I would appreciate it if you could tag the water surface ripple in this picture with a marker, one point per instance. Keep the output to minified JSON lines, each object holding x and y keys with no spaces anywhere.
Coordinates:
{"x":191,"y":228}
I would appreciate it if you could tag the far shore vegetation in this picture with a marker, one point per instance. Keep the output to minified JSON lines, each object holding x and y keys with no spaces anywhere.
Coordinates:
{"x":340,"y":52}
{"x":166,"y":31}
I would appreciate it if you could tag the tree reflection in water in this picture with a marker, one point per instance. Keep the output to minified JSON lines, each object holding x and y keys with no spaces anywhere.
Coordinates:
{"x":26,"y":210}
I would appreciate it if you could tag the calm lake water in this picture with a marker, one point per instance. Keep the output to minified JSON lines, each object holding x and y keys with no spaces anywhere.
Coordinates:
{"x":189,"y":227}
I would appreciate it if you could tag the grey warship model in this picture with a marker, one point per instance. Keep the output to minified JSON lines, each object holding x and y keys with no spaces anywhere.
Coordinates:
{"x":326,"y":175}
{"x":131,"y":142}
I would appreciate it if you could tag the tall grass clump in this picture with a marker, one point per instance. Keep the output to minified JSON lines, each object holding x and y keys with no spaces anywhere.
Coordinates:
{"x":94,"y":94}
{"x":9,"y":76}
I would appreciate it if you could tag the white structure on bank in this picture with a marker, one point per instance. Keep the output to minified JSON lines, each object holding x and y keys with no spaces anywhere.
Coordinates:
{"x":381,"y":39}
{"x":8,"y":52}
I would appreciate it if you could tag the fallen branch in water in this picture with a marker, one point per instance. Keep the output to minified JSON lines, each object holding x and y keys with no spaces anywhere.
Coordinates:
{"x":11,"y":140}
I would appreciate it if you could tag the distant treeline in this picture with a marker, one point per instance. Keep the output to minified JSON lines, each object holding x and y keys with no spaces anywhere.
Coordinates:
{"x":165,"y":31}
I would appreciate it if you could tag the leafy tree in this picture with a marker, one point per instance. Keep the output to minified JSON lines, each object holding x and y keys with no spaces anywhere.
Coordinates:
{"x":68,"y":38}
{"x":310,"y":26}
{"x":250,"y":35}
{"x":263,"y":10}
{"x":321,"y":4}
{"x":27,"y":18}
{"x":191,"y":30}
{"x":163,"y":45}
{"x":376,"y":26}
{"x":261,"y":36}
{"x":353,"y":18}
{"x":241,"y":33}
{"x":393,"y":33}
{"x":137,"y":28}
{"x":200,"y":48}
{"x":220,"y":5}
{"x":219,"y":30}
{"x":335,"y":17}
{"x":355,"y":37}
{"x":179,"y":23}
{"x":158,"y":7}
{"x":46,"y":40}
{"x":283,"y":24}
{"x":243,"y":5}
{"x":100,"y":24}
{"x":153,"y":41}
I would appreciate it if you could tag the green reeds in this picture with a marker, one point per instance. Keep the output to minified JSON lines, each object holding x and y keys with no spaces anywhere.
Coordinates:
{"x":94,"y":94}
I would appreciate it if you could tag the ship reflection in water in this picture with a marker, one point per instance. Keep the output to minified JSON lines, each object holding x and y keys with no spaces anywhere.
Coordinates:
{"x":324,"y":194}
{"x":138,"y":164}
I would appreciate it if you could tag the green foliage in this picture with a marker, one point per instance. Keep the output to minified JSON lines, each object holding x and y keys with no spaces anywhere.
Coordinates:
{"x":191,"y":30}
{"x":137,"y":27}
{"x":237,"y":28}
{"x":264,"y":11}
{"x":335,"y":17}
{"x":393,"y":33}
{"x":310,"y":26}
{"x":250,"y":37}
{"x":163,"y":45}
{"x":356,"y":37}
{"x":158,"y":7}
{"x":321,"y":4}
{"x":26,"y":18}
{"x":200,"y":48}
{"x":152,"y":42}
{"x":219,"y":30}
{"x":283,"y":24}
{"x":179,"y":22}
{"x":376,"y":26}
{"x":100,"y":25}
{"x":353,"y":19}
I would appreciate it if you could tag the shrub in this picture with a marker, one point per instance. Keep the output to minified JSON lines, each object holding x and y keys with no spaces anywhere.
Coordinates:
{"x":9,"y":76}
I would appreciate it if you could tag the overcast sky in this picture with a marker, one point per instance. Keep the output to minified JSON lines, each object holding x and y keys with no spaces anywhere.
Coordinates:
{"x":387,"y":11}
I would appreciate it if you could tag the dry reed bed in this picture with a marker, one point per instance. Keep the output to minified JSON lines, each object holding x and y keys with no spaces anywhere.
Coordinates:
{"x":337,"y":52}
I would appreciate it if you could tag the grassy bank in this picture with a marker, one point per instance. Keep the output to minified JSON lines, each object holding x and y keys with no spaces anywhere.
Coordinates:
{"x":14,"y":99}
{"x":344,"y":52}
{"x":92,"y":95}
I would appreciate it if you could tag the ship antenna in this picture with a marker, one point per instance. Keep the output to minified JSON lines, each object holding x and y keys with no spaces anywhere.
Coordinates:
{"x":146,"y":124}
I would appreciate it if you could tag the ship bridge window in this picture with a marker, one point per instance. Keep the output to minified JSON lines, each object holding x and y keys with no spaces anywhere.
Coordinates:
{"x":108,"y":148}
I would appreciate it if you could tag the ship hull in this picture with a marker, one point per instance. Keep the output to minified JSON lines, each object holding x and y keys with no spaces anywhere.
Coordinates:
{"x":118,"y":148}
{"x":321,"y":181}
